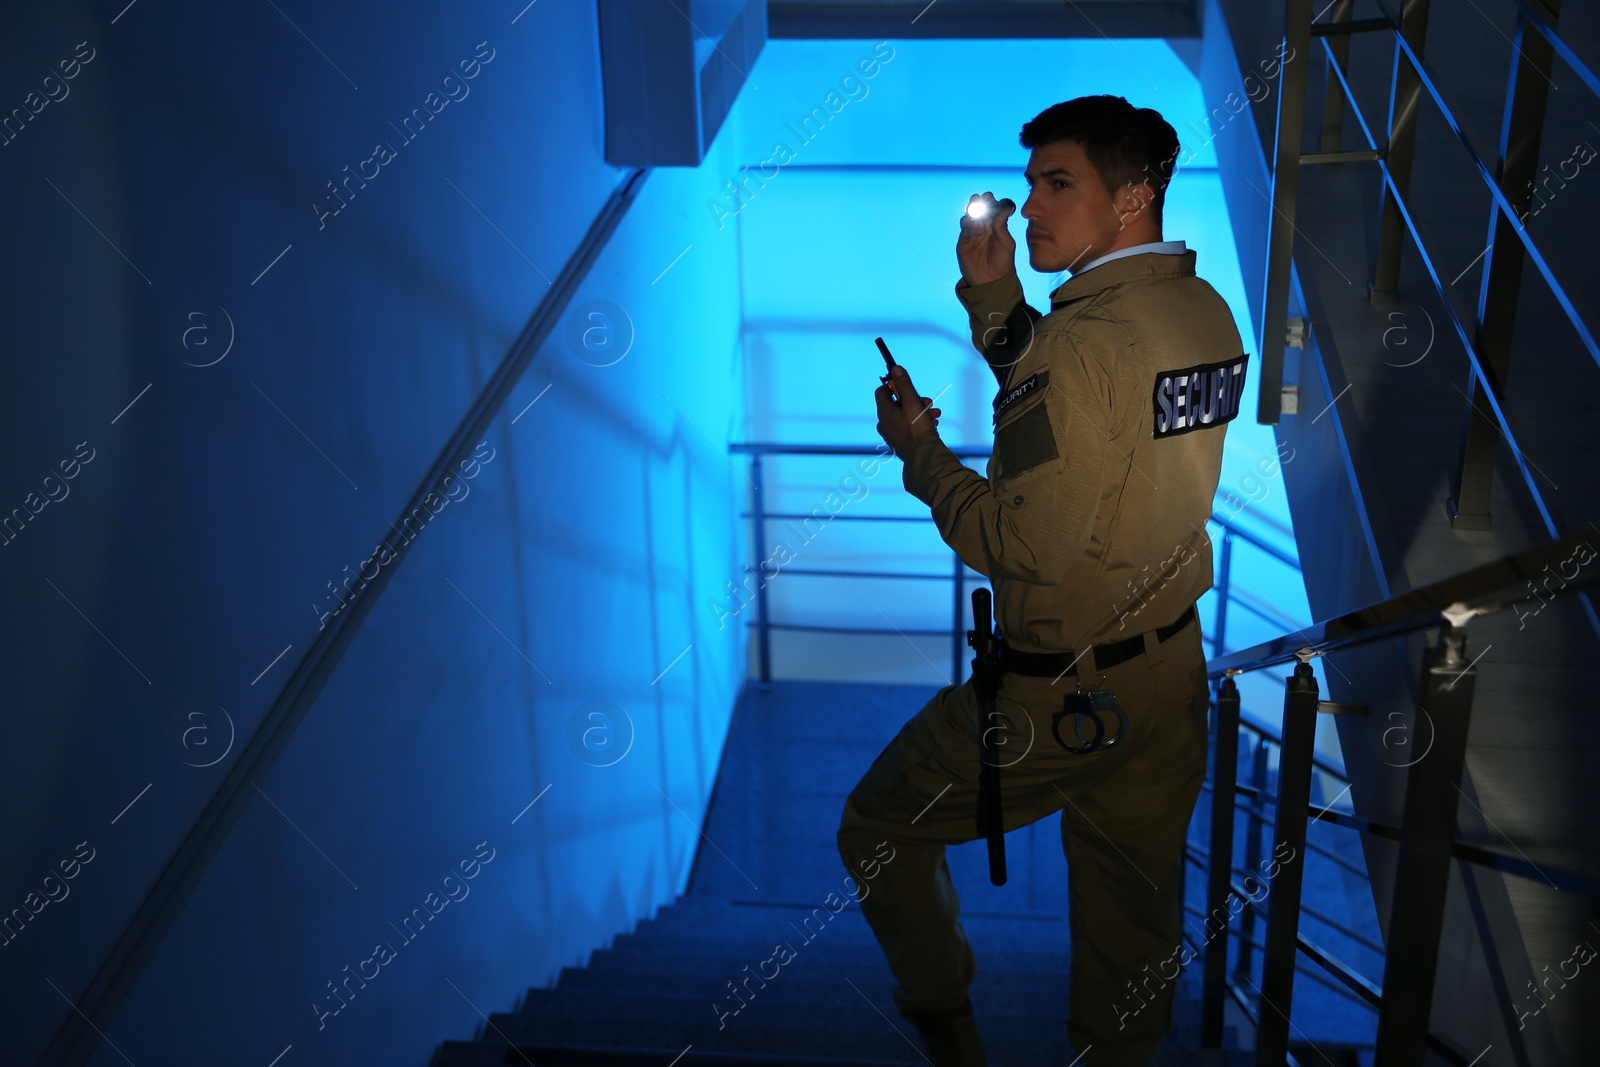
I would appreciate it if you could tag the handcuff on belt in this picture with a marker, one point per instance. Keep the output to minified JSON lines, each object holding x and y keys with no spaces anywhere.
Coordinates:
{"x":1097,"y":702}
{"x":1089,"y":704}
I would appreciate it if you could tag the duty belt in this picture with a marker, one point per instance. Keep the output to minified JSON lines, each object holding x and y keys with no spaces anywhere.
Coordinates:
{"x":1105,"y":656}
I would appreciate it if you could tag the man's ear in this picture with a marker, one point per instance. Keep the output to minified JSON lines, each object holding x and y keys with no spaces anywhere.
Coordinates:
{"x":1132,"y":201}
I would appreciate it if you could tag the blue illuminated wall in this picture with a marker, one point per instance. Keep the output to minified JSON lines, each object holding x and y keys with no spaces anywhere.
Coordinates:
{"x":180,"y":185}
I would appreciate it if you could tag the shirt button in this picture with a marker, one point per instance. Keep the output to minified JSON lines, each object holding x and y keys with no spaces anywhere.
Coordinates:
{"x":1017,"y":499}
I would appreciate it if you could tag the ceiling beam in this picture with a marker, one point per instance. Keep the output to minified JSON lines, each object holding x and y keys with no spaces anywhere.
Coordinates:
{"x":914,"y":19}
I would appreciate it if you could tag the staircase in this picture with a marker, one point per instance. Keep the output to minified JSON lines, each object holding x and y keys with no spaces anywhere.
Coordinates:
{"x":649,"y":999}
{"x":665,"y":994}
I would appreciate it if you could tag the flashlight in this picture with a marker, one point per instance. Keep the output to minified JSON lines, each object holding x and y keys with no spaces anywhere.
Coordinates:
{"x":978,"y":209}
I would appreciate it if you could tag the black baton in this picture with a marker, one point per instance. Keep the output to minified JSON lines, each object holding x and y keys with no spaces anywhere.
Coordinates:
{"x":985,"y":684}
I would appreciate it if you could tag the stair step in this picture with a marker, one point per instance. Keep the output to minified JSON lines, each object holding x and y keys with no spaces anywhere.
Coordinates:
{"x":552,"y":1017}
{"x":469,"y":1054}
{"x":569,"y":1056}
{"x":846,"y":1011}
{"x":808,"y":1035}
{"x":723,"y":911}
{"x":685,"y":950}
{"x":997,"y":992}
{"x":718,"y":908}
{"x":1022,"y":991}
{"x":776,"y":922}
{"x":1172,"y":1055}
{"x":710,"y":975}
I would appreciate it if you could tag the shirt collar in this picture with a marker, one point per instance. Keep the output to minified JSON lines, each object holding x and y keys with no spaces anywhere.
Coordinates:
{"x":1126,"y":265}
{"x":1166,"y":248}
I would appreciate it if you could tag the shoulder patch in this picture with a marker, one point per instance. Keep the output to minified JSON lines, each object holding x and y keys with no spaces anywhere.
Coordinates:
{"x":1027,"y":387}
{"x":1026,"y":442}
{"x":1197,"y":397}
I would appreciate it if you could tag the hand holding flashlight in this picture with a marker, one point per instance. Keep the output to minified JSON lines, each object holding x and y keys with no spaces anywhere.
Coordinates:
{"x":985,"y":250}
{"x":979,"y":209}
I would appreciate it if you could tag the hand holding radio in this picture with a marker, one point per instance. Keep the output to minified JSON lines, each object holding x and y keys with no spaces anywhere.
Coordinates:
{"x":898,"y":423}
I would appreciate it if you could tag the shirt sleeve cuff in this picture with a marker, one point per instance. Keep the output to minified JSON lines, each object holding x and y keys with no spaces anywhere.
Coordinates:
{"x":1000,"y":295}
{"x":928,"y":461}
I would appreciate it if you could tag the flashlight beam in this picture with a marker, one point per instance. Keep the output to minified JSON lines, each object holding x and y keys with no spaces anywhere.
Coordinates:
{"x":978,"y":209}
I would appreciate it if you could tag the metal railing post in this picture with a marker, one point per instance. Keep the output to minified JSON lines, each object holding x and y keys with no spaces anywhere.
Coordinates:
{"x":1252,"y":856}
{"x":1332,"y":92}
{"x":1404,"y":93}
{"x":1280,"y":223}
{"x":1433,"y":790}
{"x":1521,"y":125}
{"x":1300,"y":703}
{"x":1224,"y":775}
{"x":1224,"y":589}
{"x":758,"y":523}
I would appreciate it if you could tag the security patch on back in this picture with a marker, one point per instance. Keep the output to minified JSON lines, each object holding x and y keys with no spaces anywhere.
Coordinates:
{"x":1199,"y":397}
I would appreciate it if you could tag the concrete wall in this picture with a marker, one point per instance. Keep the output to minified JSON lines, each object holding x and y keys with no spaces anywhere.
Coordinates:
{"x":247,"y":380}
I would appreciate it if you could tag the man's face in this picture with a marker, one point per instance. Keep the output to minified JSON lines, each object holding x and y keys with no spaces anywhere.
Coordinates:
{"x":1071,"y":218}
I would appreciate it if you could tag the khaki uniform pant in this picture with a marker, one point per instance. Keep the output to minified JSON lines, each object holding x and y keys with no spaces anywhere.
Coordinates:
{"x":1124,"y":818}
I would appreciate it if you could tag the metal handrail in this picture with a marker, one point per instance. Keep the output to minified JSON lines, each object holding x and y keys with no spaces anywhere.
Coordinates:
{"x":1479,"y":591}
{"x":1558,"y":878}
{"x":1349,"y":977}
{"x":760,"y":448}
{"x":1277,"y":298}
{"x":1266,"y":546}
{"x":1488,"y":380}
{"x":1430,"y":83}
{"x":1258,"y":813}
{"x":1199,"y":856}
{"x":1428,"y":847}
{"x":1537,"y":20}
{"x":1428,"y":844}
{"x":1337,"y":982}
{"x":1266,"y":734}
{"x":758,"y":515}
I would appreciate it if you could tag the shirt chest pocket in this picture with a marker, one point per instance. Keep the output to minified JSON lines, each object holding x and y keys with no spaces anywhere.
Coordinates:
{"x":1025,"y":444}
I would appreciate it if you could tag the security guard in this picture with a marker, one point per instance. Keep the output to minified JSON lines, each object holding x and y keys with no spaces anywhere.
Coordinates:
{"x":1090,"y":525}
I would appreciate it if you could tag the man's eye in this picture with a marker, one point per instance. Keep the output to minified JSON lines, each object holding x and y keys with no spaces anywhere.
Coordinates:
{"x":1062,"y":182}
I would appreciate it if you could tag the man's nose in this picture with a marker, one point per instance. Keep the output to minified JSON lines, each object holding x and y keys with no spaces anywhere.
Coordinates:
{"x":1028,"y":210}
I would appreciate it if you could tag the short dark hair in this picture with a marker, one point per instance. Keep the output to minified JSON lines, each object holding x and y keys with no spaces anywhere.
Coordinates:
{"x":1126,"y":144}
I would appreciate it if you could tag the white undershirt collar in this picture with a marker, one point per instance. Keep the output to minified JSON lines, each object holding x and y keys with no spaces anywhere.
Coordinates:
{"x":1166,"y":248}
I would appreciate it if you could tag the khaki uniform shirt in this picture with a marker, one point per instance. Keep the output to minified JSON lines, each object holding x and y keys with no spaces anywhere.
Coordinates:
{"x":1107,"y":449}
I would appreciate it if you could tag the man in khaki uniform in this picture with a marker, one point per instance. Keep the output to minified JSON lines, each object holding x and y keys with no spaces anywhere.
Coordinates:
{"x":1090,"y":525}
